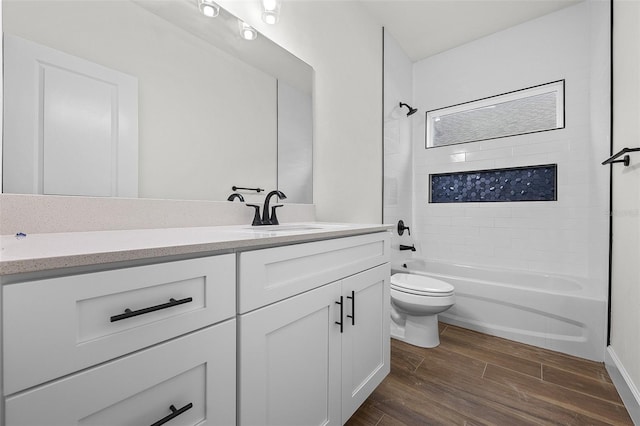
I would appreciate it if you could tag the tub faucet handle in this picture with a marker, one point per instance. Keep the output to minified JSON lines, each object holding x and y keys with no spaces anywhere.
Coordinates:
{"x":402,"y":228}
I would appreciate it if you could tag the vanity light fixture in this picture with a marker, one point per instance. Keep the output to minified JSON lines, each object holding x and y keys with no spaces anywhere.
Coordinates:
{"x":270,"y":11}
{"x":208,"y":8}
{"x":247,"y":31}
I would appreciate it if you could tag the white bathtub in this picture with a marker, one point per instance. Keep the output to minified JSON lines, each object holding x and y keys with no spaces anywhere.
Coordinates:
{"x":549,"y":311}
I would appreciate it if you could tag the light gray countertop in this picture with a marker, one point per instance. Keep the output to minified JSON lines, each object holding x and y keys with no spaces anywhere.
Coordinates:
{"x":41,"y":252}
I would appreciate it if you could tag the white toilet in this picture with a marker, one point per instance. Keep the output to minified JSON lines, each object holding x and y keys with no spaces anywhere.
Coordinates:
{"x":416,"y":301}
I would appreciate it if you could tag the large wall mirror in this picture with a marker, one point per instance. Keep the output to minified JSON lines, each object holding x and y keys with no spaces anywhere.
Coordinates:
{"x":150,"y":99}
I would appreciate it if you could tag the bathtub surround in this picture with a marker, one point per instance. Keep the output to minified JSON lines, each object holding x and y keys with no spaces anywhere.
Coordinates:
{"x":567,"y":236}
{"x":562,"y":237}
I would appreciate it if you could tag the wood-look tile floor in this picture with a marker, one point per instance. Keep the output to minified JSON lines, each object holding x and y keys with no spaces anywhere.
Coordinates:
{"x":477,"y":379}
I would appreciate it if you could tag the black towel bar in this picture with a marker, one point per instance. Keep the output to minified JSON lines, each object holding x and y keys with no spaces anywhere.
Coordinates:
{"x":624,"y":160}
{"x":236,"y":188}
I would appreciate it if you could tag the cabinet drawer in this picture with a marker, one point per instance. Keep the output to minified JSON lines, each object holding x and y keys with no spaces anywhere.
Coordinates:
{"x":57,"y":326}
{"x":269,"y":275}
{"x":139,"y":389}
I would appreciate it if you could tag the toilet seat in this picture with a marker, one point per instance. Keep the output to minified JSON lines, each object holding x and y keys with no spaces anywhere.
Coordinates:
{"x":420,"y":285}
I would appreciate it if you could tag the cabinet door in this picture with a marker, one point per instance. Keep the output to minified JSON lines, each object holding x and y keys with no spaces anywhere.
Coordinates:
{"x":289,"y":364}
{"x":365,"y":341}
{"x":194,"y":374}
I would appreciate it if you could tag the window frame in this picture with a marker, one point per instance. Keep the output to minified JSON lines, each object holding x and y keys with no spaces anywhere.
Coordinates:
{"x":557,"y":87}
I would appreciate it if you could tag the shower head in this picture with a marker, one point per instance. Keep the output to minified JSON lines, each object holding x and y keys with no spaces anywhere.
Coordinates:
{"x":411,"y":110}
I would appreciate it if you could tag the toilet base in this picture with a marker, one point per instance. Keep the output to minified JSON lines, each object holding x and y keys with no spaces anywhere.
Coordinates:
{"x":419,"y":331}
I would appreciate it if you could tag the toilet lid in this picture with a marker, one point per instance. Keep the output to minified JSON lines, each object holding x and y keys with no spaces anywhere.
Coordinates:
{"x":421,"y":285}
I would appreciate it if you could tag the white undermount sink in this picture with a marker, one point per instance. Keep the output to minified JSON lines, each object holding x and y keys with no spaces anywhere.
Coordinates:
{"x":292,"y":228}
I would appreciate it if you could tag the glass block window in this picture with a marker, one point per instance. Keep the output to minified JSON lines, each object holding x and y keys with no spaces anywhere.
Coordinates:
{"x":534,"y":109}
{"x":534,"y":183}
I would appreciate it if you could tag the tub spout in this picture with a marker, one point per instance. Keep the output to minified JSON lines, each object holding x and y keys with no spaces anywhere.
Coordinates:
{"x":412,"y":247}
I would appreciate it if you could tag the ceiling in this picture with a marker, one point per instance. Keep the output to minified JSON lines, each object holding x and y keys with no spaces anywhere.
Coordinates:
{"x":426,"y":27}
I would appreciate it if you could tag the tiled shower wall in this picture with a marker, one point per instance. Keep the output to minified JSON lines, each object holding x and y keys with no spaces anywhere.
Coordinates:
{"x":567,"y":236}
{"x":398,"y":150}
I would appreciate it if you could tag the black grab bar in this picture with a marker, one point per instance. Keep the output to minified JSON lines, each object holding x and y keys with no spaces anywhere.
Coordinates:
{"x":625,"y":159}
{"x":236,"y":188}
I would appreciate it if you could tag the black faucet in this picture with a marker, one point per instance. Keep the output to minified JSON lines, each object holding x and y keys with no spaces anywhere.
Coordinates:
{"x":412,"y":247}
{"x":266,"y":220}
{"x":234,"y":196}
{"x":273,"y":220}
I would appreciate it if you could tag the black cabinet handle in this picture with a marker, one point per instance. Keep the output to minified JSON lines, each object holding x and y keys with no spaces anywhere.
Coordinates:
{"x":353,"y":307}
{"x":341,"y":322}
{"x":174,"y":413}
{"x":128,"y":313}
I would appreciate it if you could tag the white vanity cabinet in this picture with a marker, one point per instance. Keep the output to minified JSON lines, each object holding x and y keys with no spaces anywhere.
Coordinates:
{"x":318,"y":351}
{"x":120,"y":347}
{"x":294,"y":333}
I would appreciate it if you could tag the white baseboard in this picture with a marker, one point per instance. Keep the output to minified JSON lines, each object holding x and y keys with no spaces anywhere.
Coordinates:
{"x":625,"y":386}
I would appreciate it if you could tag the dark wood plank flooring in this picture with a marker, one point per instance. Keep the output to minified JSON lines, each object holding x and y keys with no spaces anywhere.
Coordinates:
{"x":477,"y":379}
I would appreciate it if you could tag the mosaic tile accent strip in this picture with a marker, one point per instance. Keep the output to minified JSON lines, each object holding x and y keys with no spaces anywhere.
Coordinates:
{"x":533,"y":183}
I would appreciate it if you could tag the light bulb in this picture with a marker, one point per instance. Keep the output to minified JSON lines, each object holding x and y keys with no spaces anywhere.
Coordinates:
{"x":270,"y":11}
{"x":209,"y":8}
{"x":208,"y":11}
{"x":269,"y":4}
{"x":270,"y":18}
{"x":247,"y":31}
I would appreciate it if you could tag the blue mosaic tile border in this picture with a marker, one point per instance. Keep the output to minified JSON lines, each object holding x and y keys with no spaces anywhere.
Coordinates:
{"x":534,"y":183}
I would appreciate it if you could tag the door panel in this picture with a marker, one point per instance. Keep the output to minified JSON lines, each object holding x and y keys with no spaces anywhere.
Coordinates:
{"x":78,"y":138}
{"x":66,"y":121}
{"x":365,"y":342}
{"x":289,"y":368}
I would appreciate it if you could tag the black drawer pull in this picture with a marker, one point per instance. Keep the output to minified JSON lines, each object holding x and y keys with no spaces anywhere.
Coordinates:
{"x":128,"y":313}
{"x":174,"y":413}
{"x":353,"y":307}
{"x":341,"y":322}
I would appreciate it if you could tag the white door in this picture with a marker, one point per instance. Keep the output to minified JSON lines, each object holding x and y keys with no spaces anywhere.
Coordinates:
{"x":289,"y":361}
{"x":71,"y":126}
{"x":365,"y":341}
{"x":625,"y":215}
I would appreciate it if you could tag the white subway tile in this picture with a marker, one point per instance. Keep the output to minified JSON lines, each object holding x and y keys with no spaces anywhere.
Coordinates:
{"x":492,"y":154}
{"x":488,"y":210}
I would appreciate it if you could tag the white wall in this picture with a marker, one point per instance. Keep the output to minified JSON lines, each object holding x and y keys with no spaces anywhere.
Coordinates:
{"x":625,"y":214}
{"x":194,"y":98}
{"x":344,"y":46}
{"x":568,"y":236}
{"x":398,"y":150}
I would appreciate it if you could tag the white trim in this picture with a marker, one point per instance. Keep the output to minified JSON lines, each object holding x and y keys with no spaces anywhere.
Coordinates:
{"x":556,"y":87}
{"x":624,"y":384}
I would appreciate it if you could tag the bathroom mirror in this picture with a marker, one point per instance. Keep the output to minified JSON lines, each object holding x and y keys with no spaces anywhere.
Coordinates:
{"x":150,"y":99}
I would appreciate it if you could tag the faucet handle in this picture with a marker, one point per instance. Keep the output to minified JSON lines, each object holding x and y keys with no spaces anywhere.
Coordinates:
{"x":274,"y":218}
{"x":402,"y":228}
{"x":256,"y":217}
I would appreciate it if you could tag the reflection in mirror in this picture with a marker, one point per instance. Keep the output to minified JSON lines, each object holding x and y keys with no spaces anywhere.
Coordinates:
{"x":151,"y":99}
